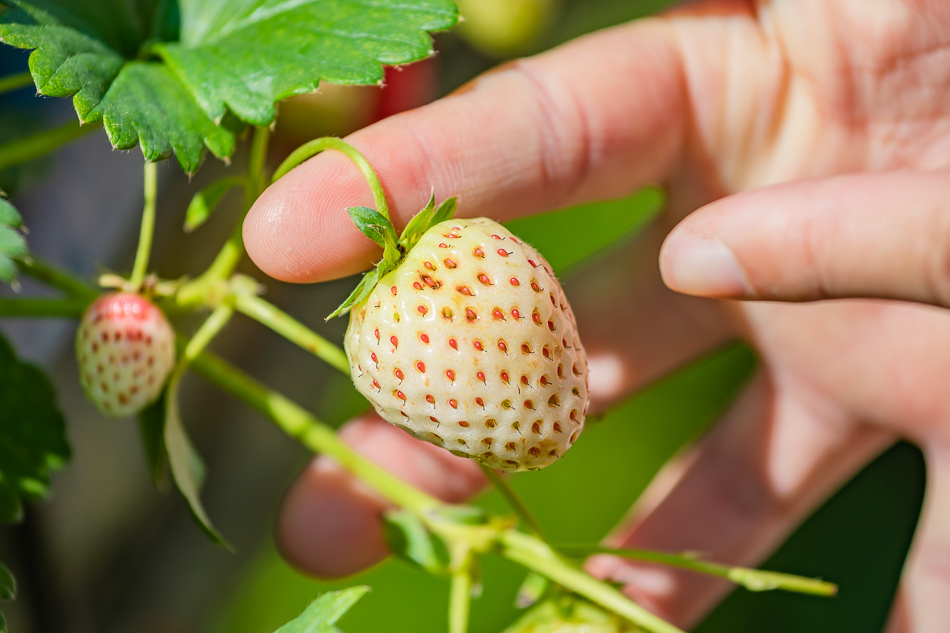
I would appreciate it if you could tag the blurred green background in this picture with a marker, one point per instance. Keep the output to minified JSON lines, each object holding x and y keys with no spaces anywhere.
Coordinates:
{"x":108,"y":554}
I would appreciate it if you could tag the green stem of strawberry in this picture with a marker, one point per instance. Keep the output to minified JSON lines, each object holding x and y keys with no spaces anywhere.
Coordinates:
{"x":540,"y":557}
{"x":293,"y":330}
{"x":502,"y":485}
{"x":460,"y":593}
{"x":55,"y":277}
{"x":40,"y":308}
{"x":751,"y":579}
{"x":36,"y":145}
{"x":15,"y":82}
{"x":311,"y":149}
{"x":147,"y":230}
{"x":318,"y":437}
{"x":196,"y":292}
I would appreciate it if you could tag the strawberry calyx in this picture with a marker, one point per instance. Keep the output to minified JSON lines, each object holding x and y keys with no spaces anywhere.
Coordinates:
{"x":380,"y":229}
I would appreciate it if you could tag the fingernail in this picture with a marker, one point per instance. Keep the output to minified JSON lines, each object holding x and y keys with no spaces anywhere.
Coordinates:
{"x":698,"y":265}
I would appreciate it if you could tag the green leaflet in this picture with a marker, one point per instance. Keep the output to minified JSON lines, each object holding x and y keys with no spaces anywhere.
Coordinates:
{"x":324,"y":612}
{"x":410,"y":540}
{"x":32,"y":433}
{"x":12,"y":242}
{"x":217,"y":59}
{"x":206,"y":200}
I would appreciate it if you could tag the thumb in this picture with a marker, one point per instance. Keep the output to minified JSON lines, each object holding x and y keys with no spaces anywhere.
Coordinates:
{"x":883,"y":235}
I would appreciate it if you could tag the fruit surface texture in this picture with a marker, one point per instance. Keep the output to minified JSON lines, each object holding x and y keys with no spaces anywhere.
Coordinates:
{"x":470,"y":344}
{"x":125,"y":348}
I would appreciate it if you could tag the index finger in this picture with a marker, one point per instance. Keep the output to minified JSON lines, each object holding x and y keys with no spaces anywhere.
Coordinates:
{"x":594,"y":119}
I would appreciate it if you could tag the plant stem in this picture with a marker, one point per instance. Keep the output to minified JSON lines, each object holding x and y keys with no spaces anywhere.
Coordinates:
{"x":752,"y":579}
{"x":148,"y":227}
{"x":227,"y":259}
{"x":316,"y":436}
{"x":53,"y":276}
{"x":293,"y":330}
{"x":36,"y":145}
{"x":538,"y":556}
{"x":502,"y":485}
{"x":460,"y":595}
{"x":15,"y":82}
{"x":39,"y":308}
{"x":311,"y":149}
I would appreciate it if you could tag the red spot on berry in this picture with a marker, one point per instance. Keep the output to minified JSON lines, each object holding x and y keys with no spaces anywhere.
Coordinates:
{"x":535,"y":286}
{"x":478,"y":345}
{"x":417,"y":285}
{"x":504,"y":377}
{"x":422,"y":310}
{"x":443,"y":245}
{"x":536,"y":317}
{"x":534,"y":451}
{"x":514,"y":281}
{"x":430,"y":398}
{"x":463,"y":424}
{"x":429,"y":265}
{"x":496,"y":237}
{"x":560,"y":370}
{"x":503,"y":346}
{"x":401,"y":395}
{"x":544,"y":380}
{"x":393,"y":290}
{"x":424,"y":338}
{"x":487,"y":442}
{"x":453,"y":403}
{"x":573,"y":415}
{"x":550,"y":325}
{"x":529,"y":404}
{"x":515,"y":313}
{"x":503,"y":252}
{"x":481,"y":376}
{"x":421,"y":366}
{"x":450,"y":263}
{"x":490,"y":423}
{"x":524,"y":381}
{"x":434,"y":419}
{"x":536,"y":427}
{"x":531,"y":261}
{"x":453,"y":343}
{"x":575,"y":370}
{"x":373,"y":356}
{"x":479,"y":402}
{"x":484,"y":279}
{"x":465,"y":290}
{"x":478,"y":252}
{"x":375,"y":383}
{"x":394,"y":341}
{"x":450,"y":374}
{"x":498,"y":315}
{"x":525,"y":348}
{"x":554,"y":401}
{"x":398,"y":373}
{"x":376,"y":331}
{"x":470,"y":314}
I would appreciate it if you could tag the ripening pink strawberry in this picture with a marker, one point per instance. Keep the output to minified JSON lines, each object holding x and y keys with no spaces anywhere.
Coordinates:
{"x":470,"y":343}
{"x":125,"y":348}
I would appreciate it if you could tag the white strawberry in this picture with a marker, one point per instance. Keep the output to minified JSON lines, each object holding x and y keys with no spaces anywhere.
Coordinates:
{"x":126,"y":349}
{"x":469,"y":343}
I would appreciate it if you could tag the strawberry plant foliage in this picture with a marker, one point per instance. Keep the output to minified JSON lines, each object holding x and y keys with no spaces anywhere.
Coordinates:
{"x":32,"y":434}
{"x":12,"y":243}
{"x":167,"y":75}
{"x":324,"y":612}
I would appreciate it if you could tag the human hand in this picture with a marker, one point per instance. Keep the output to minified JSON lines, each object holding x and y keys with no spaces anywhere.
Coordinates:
{"x":712,"y":99}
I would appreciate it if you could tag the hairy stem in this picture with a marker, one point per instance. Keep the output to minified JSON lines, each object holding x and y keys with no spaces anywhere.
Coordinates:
{"x":56,"y":278}
{"x":15,"y":82}
{"x":227,"y":259}
{"x":311,"y":149}
{"x":36,"y":145}
{"x":293,"y":330}
{"x":39,"y":308}
{"x":148,"y":227}
{"x":316,"y":436}
{"x":752,"y":579}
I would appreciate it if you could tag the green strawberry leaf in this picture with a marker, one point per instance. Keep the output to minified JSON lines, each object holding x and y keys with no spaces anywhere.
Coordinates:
{"x":374,"y":225}
{"x":214,"y":60}
{"x":185,"y":463}
{"x":7,"y":592}
{"x":205,"y":201}
{"x":445,"y":211}
{"x":324,"y":612}
{"x":7,"y":584}
{"x":418,"y":225}
{"x":152,"y":430}
{"x":32,"y":433}
{"x":409,"y":539}
{"x":362,"y":291}
{"x":12,"y":242}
